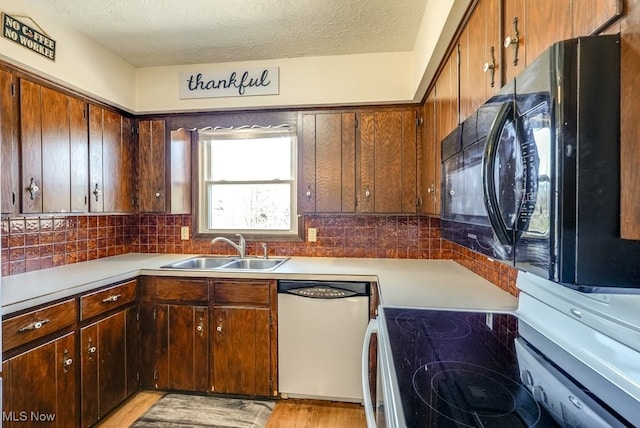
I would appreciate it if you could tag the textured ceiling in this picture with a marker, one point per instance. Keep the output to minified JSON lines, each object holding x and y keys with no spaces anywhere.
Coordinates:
{"x":172,"y":32}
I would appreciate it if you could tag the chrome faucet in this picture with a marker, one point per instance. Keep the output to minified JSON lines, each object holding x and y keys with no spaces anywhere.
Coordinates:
{"x":241,"y":246}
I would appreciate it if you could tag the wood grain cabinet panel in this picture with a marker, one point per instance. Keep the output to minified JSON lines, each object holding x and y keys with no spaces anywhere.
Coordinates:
{"x":388,"y":162}
{"x":328,"y":163}
{"x":31,"y":146}
{"x":243,"y":338}
{"x":429,"y":160}
{"x":37,"y":323}
{"x":102,"y":301}
{"x":110,"y":161}
{"x":41,"y":380}
{"x":151,"y":178}
{"x":109,"y":356}
{"x":9,"y":144}
{"x":182,"y":357}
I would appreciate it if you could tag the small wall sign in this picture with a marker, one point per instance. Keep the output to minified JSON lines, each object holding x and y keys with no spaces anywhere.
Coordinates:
{"x":230,"y":83}
{"x":24,"y":35}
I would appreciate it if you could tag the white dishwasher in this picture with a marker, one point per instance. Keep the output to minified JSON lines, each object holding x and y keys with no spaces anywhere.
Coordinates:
{"x":321,"y":327}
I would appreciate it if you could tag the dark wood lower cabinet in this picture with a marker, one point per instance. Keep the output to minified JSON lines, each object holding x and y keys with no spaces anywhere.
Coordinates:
{"x":243,"y":337}
{"x":39,"y":386}
{"x":181,"y":357}
{"x":240,"y":348}
{"x":109,"y":363}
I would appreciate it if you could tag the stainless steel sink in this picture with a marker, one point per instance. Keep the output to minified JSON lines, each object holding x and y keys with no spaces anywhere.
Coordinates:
{"x":200,"y":262}
{"x":226,"y":263}
{"x":254,"y":264}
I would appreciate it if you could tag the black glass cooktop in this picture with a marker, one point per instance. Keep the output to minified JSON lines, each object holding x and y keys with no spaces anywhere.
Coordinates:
{"x":460,"y":369}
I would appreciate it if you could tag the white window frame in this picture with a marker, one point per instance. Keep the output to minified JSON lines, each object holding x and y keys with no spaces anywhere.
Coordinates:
{"x":242,"y":133}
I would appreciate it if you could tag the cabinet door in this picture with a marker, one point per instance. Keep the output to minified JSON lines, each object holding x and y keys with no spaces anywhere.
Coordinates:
{"x":182,"y":357}
{"x":79,"y":145}
{"x":56,"y":152}
{"x":430,"y":160}
{"x":96,"y":184}
{"x":240,"y":347}
{"x":104,"y":366}
{"x":31,"y":146}
{"x":547,"y":21}
{"x":110,"y":161}
{"x":388,"y":162}
{"x":151,"y":166}
{"x":328,"y":163}
{"x":589,"y":16}
{"x":9,"y":143}
{"x":43,"y":381}
{"x":480,"y":49}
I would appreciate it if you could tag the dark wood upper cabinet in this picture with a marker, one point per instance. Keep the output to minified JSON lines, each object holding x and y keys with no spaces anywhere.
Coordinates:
{"x":110,"y":161}
{"x":429,"y":166}
{"x":79,"y":146}
{"x":387,"y":162}
{"x":328,"y":163}
{"x":151,"y":177}
{"x":31,"y":146}
{"x":52,"y":134}
{"x":480,"y":60}
{"x":9,"y":143}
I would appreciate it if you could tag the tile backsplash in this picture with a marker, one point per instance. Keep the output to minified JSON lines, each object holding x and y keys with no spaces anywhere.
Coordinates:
{"x":33,"y":243}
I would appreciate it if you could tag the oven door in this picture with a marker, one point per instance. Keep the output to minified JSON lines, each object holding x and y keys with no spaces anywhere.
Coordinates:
{"x":386,"y":412}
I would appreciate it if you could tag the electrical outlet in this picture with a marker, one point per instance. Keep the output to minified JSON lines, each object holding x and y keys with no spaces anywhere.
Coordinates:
{"x":184,"y":233}
{"x":312,"y":234}
{"x":489,"y":320}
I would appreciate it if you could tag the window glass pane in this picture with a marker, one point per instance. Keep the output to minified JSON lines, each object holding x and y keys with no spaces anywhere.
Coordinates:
{"x":250,"y":159}
{"x":249,"y":206}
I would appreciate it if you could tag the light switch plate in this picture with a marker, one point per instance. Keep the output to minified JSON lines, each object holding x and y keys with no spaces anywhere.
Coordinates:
{"x":312,"y":234}
{"x":184,"y":233}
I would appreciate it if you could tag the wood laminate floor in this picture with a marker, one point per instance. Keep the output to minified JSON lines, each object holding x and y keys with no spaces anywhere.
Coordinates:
{"x":290,"y":413}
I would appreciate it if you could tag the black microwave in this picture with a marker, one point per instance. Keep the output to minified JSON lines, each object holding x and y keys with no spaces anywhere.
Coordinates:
{"x":532,"y":178}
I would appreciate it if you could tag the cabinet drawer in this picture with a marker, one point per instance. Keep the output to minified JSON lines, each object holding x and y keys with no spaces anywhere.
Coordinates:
{"x":38,"y":323}
{"x":104,"y":300}
{"x":241,"y":293}
{"x":182,"y":289}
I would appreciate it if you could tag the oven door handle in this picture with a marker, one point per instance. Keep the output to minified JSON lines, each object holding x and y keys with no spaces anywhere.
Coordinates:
{"x":372,"y":329}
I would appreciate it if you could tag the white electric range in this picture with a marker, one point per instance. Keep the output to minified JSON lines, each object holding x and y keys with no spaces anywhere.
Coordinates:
{"x":563,"y":358}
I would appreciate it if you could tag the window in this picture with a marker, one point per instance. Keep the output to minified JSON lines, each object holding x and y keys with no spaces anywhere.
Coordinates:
{"x":247,"y":182}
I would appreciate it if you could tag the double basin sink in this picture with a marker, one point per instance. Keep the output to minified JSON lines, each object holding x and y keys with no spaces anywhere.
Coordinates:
{"x":227,"y":263}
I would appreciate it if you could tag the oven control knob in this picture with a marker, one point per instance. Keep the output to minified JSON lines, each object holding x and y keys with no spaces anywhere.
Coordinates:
{"x":539,"y":394}
{"x":526,"y":377}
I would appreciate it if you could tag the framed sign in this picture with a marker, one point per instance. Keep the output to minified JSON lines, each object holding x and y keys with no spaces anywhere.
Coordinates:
{"x":230,"y":83}
{"x":33,"y":39}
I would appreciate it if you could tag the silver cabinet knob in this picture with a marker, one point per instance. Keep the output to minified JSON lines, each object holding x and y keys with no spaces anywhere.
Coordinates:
{"x":219,"y":329}
{"x":199,"y":328}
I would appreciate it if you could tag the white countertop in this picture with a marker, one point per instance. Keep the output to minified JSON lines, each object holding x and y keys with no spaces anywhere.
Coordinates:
{"x":402,"y":282}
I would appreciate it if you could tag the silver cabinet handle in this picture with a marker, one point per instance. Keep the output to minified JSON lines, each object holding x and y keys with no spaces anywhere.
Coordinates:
{"x":158,"y":194}
{"x":112,"y":298}
{"x":199,"y":328}
{"x":491,"y":66}
{"x":513,"y":41}
{"x":33,"y":189}
{"x":66,"y":361}
{"x":96,"y":192}
{"x":33,"y":326}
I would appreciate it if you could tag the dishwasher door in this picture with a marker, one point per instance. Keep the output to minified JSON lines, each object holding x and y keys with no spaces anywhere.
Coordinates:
{"x":320,"y":339}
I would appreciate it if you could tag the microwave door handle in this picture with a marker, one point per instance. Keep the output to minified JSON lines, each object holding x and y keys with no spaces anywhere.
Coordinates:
{"x":372,"y":329}
{"x":501,"y":230}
